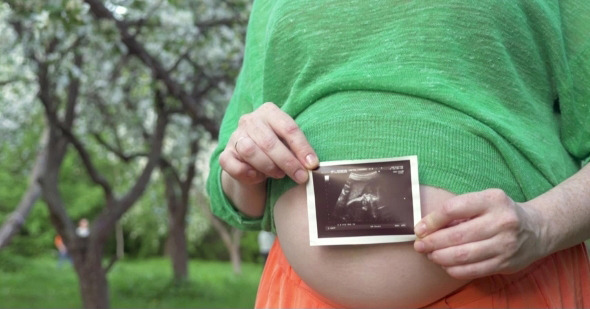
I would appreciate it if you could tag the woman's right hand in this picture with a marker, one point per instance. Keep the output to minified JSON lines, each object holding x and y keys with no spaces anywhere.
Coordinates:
{"x":267,"y":143}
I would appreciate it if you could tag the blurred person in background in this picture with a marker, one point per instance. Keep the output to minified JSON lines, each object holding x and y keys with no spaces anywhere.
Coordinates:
{"x":82,"y":229}
{"x":62,"y":251}
{"x":265,"y":241}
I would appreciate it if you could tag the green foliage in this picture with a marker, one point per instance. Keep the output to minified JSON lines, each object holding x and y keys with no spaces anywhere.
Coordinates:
{"x":18,"y":150}
{"x":145,"y":225}
{"x":10,"y":263}
{"x":133,"y":284}
{"x":249,"y":247}
{"x":83,"y":199}
{"x":211,"y":248}
{"x":36,"y":236}
{"x":116,"y":105}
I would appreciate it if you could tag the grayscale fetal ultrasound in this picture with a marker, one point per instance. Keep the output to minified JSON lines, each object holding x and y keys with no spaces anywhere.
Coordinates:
{"x":364,"y":199}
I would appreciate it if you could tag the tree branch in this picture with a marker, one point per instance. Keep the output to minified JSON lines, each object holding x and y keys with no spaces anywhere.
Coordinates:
{"x":158,"y":70}
{"x":182,"y":57}
{"x":107,"y":219}
{"x":117,"y":151}
{"x":108,"y":118}
{"x":191,"y":170}
{"x":12,"y":80}
{"x":111,"y":263}
{"x":45,"y":94}
{"x":140,"y":23}
{"x":73,"y":93}
{"x":94,"y":174}
{"x":138,"y":50}
{"x":206,"y":24}
{"x":167,"y":168}
{"x":56,"y":146}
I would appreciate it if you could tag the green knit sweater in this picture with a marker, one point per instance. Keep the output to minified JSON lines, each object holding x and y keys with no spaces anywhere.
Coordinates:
{"x":487,"y":93}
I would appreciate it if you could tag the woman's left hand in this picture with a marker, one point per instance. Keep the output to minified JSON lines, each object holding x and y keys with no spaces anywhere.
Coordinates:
{"x":480,"y":234}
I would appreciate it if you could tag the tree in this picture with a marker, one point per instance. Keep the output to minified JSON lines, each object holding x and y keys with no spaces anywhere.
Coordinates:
{"x":230,"y":236}
{"x":87,"y":252}
{"x":177,"y":195}
{"x":206,"y":80}
{"x":110,"y":81}
{"x":58,"y":63}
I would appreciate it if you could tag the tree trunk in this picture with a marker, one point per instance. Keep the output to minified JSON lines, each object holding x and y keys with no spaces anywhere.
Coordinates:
{"x":177,"y":197}
{"x":177,"y":248}
{"x":231,"y":238}
{"x":18,"y":217}
{"x":120,"y":241}
{"x":91,"y":275}
{"x":234,"y":251}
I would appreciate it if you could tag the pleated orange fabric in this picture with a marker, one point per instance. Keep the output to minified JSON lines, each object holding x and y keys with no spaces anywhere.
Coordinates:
{"x":281,"y":287}
{"x":561,"y":280}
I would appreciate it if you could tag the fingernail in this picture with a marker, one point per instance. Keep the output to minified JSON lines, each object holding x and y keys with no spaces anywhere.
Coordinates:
{"x":300,"y":176}
{"x":312,"y":160}
{"x":419,"y":246}
{"x":420,"y":229}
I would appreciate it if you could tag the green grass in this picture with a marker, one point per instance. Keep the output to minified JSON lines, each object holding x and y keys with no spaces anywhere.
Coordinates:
{"x":38,"y":283}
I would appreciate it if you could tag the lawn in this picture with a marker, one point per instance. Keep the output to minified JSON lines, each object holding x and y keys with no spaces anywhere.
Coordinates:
{"x":39,"y":283}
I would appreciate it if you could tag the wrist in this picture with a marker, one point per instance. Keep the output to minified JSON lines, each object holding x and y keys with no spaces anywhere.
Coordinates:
{"x":540,"y":222}
{"x":248,"y":199}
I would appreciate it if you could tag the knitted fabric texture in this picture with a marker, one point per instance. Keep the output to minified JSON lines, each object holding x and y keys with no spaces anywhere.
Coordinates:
{"x":488,"y":94}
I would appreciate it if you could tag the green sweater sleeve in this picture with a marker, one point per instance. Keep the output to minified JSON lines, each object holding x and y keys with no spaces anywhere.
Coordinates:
{"x":245,"y":99}
{"x":221,"y":206}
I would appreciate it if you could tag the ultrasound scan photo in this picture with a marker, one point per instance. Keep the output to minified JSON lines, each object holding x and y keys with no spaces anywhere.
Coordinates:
{"x":363,"y":201}
{"x":359,"y":200}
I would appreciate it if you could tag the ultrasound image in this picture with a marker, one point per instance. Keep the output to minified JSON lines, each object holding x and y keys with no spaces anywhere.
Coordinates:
{"x":360,"y":200}
{"x":363,"y":199}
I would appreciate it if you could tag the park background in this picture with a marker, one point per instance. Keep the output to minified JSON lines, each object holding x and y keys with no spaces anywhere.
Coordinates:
{"x":109,"y":110}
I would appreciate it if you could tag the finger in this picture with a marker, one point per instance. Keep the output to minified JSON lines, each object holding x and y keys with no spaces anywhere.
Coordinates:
{"x":269,"y":144}
{"x":460,"y":207}
{"x":465,"y":232}
{"x":256,"y":165}
{"x":288,"y":130}
{"x":241,"y":171}
{"x":249,"y":152}
{"x":467,"y":253}
{"x":474,"y":270}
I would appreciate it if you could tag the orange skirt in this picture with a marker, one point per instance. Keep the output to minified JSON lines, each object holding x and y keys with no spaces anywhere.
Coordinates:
{"x":561,"y":280}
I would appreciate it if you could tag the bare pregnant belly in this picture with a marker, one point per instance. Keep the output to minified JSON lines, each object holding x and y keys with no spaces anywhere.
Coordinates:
{"x":384,"y":275}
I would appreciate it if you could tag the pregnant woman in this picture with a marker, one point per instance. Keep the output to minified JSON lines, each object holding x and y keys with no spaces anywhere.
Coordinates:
{"x":493,"y":98}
